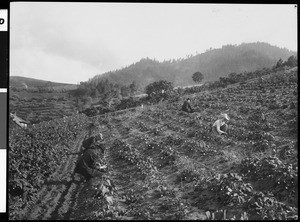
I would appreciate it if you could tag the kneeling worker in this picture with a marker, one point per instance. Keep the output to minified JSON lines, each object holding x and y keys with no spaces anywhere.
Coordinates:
{"x":220,"y":126}
{"x":89,"y":163}
{"x":186,"y":107}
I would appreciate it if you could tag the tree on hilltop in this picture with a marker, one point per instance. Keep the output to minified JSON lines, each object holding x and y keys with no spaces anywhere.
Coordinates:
{"x":197,"y":77}
{"x":133,"y":87}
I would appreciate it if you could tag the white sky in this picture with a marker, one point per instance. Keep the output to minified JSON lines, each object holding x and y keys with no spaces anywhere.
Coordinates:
{"x":72,"y":42}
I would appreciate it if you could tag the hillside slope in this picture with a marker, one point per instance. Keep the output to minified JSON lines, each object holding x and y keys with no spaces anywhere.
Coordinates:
{"x":214,"y":63}
{"x":31,"y":83}
{"x":165,"y":164}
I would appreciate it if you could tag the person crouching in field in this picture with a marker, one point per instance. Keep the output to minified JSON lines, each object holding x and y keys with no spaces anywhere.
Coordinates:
{"x":186,"y":107}
{"x":89,"y":162}
{"x":220,"y":125}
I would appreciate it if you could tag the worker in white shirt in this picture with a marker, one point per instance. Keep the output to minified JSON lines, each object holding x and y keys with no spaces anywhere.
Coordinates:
{"x":220,"y":125}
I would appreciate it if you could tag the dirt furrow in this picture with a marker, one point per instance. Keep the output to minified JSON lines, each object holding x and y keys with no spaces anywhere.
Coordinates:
{"x":52,"y":195}
{"x":116,"y":168}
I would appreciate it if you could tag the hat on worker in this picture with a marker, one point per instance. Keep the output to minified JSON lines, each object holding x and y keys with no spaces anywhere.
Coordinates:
{"x":98,"y":137}
{"x":224,"y":116}
{"x":97,"y":165}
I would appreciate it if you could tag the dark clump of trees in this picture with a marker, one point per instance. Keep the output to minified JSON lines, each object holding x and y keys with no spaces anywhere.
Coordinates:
{"x":197,"y":77}
{"x":159,"y":90}
{"x":292,"y":61}
{"x":156,"y":92}
{"x":102,"y":91}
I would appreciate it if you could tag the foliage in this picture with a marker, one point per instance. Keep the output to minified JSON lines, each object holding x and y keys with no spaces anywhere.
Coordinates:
{"x":103,"y":89}
{"x":128,"y":103}
{"x":272,"y":174}
{"x":159,"y":87}
{"x":266,"y":207}
{"x":292,"y":61}
{"x":159,"y":90}
{"x":197,"y":77}
{"x":228,"y":189}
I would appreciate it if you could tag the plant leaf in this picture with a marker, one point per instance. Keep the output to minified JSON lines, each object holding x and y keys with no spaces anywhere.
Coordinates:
{"x":109,"y":199}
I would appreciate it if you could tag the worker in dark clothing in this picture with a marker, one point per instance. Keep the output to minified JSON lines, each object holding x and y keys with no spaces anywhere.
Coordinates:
{"x":89,"y":162}
{"x":93,"y":142}
{"x":186,"y":107}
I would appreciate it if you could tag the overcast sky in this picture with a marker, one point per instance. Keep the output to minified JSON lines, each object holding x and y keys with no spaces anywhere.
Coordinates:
{"x":72,"y":42}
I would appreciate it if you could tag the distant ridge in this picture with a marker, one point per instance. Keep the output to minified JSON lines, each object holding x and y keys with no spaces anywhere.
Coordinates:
{"x":214,"y":63}
{"x":19,"y":81}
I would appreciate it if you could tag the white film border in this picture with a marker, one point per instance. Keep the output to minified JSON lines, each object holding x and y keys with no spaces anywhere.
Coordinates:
{"x":3,"y":179}
{"x":3,"y":19}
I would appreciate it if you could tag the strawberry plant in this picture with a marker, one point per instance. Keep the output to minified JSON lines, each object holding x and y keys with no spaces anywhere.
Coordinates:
{"x":272,"y":173}
{"x":265,"y":206}
{"x":230,"y":189}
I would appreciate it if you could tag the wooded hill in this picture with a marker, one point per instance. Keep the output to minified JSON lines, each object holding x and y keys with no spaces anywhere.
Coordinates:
{"x":214,"y":63}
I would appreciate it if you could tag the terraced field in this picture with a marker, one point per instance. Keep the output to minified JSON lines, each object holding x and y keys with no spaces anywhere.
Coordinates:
{"x":37,"y":108}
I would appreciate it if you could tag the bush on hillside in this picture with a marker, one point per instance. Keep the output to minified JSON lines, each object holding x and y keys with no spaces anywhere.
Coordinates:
{"x":159,"y":90}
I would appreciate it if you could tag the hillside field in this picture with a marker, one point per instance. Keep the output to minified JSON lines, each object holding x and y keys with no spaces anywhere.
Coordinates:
{"x":164,"y":163}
